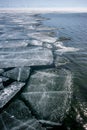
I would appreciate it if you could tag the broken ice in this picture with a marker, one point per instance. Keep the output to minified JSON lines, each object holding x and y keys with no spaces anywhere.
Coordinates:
{"x":47,"y":95}
{"x":25,"y":57}
{"x":13,"y":44}
{"x":19,"y":74}
{"x":18,"y":116}
{"x":43,"y":37}
{"x":9,"y":92}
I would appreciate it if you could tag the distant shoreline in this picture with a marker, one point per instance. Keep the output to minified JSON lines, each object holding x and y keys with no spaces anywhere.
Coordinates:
{"x":44,"y":10}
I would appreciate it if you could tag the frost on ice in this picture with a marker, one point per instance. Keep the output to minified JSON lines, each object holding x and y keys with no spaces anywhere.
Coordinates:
{"x":9,"y":92}
{"x":18,"y":57}
{"x":47,"y":95}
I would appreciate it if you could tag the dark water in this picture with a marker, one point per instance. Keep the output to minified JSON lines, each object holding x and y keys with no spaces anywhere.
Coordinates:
{"x":74,"y":26}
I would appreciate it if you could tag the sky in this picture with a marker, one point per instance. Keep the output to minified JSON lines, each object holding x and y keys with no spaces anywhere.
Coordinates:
{"x":43,"y":4}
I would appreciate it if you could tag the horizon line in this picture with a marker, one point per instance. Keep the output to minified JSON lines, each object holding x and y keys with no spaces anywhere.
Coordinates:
{"x":45,"y":10}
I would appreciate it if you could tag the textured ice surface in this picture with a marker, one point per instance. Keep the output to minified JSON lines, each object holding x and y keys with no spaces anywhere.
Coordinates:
{"x":1,"y":71}
{"x":25,"y":57}
{"x":19,"y":74}
{"x":9,"y":92}
{"x":25,"y":22}
{"x":62,"y":49}
{"x":47,"y":95}
{"x":13,"y":35}
{"x":47,"y":45}
{"x":43,"y":28}
{"x":3,"y":79}
{"x":40,"y":43}
{"x":19,"y":110}
{"x":13,"y":44}
{"x":9,"y":122}
{"x":48,"y":105}
{"x":26,"y":42}
{"x":43,"y":36}
{"x":48,"y":80}
{"x":36,"y":42}
{"x":17,"y":116}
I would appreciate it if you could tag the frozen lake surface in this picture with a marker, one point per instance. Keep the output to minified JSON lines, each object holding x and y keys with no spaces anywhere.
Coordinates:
{"x":42,"y":71}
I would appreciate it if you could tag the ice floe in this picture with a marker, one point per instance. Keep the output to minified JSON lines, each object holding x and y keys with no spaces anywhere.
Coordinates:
{"x":18,"y":116}
{"x":47,"y":95}
{"x":47,"y":45}
{"x":63,"y":49}
{"x":4,"y":79}
{"x":19,"y":74}
{"x":25,"y":57}
{"x":43,"y":37}
{"x":36,"y":42}
{"x":8,"y":93}
{"x":13,"y":44}
{"x":13,"y":35}
{"x":10,"y":122}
